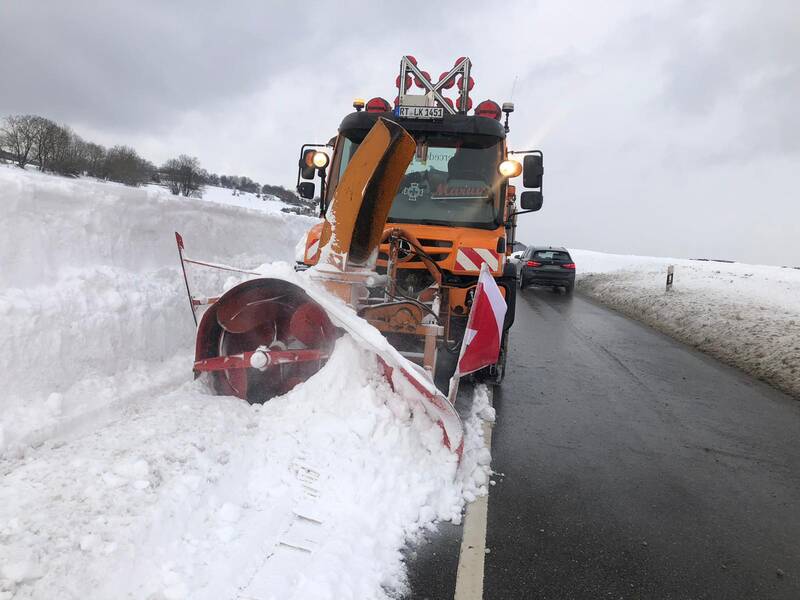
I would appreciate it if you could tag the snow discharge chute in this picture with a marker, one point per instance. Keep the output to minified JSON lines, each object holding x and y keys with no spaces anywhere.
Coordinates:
{"x":267,"y":335}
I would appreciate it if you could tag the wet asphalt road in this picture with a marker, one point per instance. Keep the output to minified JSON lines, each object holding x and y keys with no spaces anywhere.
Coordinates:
{"x":630,"y":466}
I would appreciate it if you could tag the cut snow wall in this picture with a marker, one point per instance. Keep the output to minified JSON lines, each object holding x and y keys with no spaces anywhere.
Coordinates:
{"x":92,"y":302}
{"x":50,"y":225}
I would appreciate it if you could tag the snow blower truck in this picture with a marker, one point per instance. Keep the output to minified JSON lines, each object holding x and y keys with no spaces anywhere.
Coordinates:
{"x":413,"y":201}
{"x":453,"y":211}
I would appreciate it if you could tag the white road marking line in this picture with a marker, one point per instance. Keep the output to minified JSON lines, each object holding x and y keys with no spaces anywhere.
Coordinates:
{"x":469,"y":577}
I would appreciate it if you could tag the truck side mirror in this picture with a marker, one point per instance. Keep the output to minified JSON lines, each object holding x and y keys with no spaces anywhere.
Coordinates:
{"x":307,"y":168}
{"x":532,"y":171}
{"x":306,"y":190}
{"x":528,"y":200}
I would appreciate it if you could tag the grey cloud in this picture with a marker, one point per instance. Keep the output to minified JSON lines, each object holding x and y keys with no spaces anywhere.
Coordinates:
{"x":747,"y":65}
{"x":134,"y":64}
{"x":645,"y":111}
{"x":138,"y":65}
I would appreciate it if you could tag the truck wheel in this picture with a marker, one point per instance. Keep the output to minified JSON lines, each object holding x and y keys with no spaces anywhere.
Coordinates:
{"x":446,"y":363}
{"x":497,"y":372}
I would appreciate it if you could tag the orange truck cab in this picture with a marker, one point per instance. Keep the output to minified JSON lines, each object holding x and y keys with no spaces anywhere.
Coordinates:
{"x":454,"y":210}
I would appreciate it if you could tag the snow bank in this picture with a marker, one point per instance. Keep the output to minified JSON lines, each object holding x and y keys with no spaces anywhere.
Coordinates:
{"x":311,"y":495}
{"x":52,"y":225}
{"x":93,"y":308}
{"x":745,"y":315}
{"x":177,"y":493}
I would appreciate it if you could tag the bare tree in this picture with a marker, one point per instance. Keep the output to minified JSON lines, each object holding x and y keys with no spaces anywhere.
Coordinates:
{"x":248,"y":185}
{"x":183,"y":175}
{"x":45,"y":132}
{"x":53,"y":147}
{"x":18,"y":135}
{"x":67,"y":155}
{"x":94,"y":157}
{"x":124,"y":165}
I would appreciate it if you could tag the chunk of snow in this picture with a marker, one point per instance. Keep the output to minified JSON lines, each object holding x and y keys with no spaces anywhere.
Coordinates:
{"x":89,"y":542}
{"x":54,"y":402}
{"x":177,"y":591}
{"x":230,"y":513}
{"x":22,"y":571}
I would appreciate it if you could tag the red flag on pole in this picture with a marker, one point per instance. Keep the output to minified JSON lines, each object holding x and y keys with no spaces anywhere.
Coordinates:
{"x":481,"y":345}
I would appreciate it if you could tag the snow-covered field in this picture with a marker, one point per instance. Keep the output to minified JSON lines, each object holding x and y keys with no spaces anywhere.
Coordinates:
{"x":745,"y":315}
{"x":220,"y":195}
{"x":123,"y":478}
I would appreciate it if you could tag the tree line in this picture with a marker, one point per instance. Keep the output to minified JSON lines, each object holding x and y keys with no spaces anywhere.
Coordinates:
{"x":56,"y":148}
{"x":30,"y":139}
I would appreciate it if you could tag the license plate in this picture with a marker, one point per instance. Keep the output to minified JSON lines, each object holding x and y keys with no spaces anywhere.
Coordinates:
{"x":420,"y":112}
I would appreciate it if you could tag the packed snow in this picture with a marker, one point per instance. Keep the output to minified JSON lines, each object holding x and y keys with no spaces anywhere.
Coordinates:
{"x":745,"y":315}
{"x":124,"y":478}
{"x":188,"y":495}
{"x":93,"y":309}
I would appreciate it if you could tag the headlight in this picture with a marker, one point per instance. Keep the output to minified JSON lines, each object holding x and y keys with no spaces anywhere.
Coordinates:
{"x":509,"y":168}
{"x":321,"y":160}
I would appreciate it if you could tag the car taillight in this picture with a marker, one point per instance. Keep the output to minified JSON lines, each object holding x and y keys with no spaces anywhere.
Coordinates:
{"x":569,"y":266}
{"x":533,"y":263}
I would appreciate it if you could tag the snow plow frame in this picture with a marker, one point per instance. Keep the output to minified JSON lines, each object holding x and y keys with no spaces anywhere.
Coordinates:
{"x":266,"y":335}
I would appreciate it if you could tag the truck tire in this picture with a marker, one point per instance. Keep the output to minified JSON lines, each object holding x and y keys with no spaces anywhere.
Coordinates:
{"x":495,"y":374}
{"x":446,"y":363}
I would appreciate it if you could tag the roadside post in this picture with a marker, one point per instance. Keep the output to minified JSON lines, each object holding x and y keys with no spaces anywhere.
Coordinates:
{"x":670,"y":275}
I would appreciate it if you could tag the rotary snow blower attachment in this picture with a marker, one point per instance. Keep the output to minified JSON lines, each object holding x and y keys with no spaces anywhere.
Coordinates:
{"x":262,"y":338}
{"x":265,"y":336}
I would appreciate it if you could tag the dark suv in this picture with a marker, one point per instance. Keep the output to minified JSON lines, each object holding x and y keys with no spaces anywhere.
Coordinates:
{"x":547,"y":266}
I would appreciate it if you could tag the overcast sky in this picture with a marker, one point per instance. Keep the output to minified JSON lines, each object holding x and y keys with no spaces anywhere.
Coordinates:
{"x":668,"y":128}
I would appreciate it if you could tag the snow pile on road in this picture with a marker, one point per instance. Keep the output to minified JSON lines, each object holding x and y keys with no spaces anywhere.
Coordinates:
{"x":123,"y":478}
{"x":188,"y":495}
{"x":93,"y":308}
{"x":745,"y":315}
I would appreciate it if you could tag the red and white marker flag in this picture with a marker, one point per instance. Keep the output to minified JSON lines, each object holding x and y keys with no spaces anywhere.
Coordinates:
{"x":481,"y":345}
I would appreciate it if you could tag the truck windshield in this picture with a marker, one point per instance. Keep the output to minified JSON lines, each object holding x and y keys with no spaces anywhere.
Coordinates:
{"x":450,"y":181}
